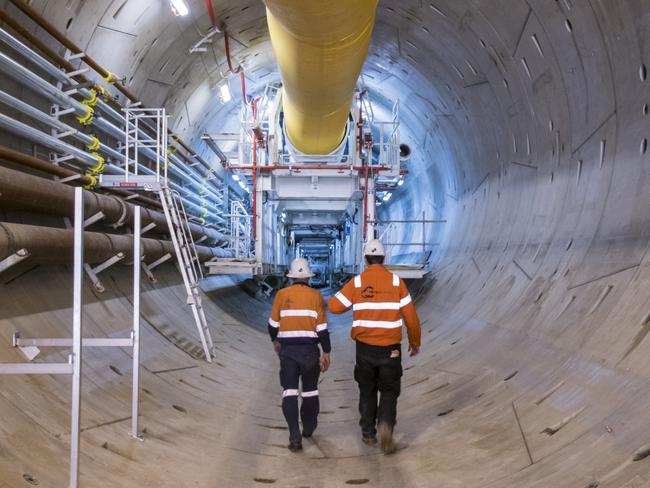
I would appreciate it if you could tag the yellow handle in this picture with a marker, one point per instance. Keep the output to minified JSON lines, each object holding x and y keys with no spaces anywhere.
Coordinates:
{"x":88,"y":117}
{"x":93,"y":182}
{"x":93,"y":145}
{"x":100,"y":166}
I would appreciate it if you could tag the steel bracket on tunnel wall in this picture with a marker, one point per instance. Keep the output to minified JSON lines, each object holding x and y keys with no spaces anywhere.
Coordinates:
{"x":147,"y":228}
{"x":88,"y":222}
{"x":93,"y":272}
{"x":60,"y":113}
{"x":72,"y":74}
{"x":94,"y":219}
{"x":68,"y":179}
{"x":12,"y":260}
{"x":56,"y":159}
{"x":149,"y":267}
{"x":61,"y":135}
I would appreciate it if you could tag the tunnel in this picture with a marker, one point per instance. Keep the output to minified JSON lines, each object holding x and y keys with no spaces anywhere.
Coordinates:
{"x":520,"y":202}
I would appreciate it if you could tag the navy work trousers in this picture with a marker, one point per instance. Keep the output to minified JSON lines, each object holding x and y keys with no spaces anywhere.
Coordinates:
{"x":300,"y":362}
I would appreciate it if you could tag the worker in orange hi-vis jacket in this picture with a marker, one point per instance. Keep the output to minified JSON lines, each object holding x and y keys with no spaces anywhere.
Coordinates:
{"x":381,"y":305}
{"x":298,"y":324}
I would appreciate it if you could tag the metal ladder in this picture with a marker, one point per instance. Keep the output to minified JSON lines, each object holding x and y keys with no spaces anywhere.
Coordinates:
{"x":188,"y":262}
{"x":138,"y":176}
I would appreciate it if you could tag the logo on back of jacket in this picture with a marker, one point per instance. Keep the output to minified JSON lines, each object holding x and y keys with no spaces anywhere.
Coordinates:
{"x":371,"y":292}
{"x":368,"y":292}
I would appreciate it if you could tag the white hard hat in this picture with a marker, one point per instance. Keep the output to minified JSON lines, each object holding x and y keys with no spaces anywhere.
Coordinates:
{"x":300,"y":269}
{"x":374,"y":247}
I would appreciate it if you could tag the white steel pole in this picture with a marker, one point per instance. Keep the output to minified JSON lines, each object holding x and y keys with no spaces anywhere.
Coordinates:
{"x":76,"y":335}
{"x":136,"y":322}
{"x":136,"y":144}
{"x":159,"y":141}
{"x":127,"y":119}
{"x":164,"y":148}
{"x":259,"y":229}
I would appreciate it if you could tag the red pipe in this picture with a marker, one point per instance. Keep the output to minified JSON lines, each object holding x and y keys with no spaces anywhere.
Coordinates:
{"x":236,"y":70}
{"x":254,"y":203}
{"x":242,"y":78}
{"x":227,"y":43}
{"x":213,"y":18}
{"x":365,"y":206}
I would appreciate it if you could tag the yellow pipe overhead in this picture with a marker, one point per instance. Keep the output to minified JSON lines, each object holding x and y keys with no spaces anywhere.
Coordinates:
{"x":320,"y":47}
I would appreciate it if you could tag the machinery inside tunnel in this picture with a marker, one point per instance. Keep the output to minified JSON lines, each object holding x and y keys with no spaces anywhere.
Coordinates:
{"x":193,"y":148}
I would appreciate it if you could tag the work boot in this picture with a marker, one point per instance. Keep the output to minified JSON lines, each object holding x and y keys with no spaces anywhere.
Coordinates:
{"x":386,"y":441}
{"x":369,"y":440}
{"x":295,"y":446}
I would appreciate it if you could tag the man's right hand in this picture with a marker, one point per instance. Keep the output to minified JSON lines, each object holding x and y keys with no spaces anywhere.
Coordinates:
{"x":277,"y":346}
{"x":414,"y":350}
{"x":325,"y":362}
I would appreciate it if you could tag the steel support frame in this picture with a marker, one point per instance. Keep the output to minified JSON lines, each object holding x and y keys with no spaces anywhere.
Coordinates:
{"x":74,"y":365}
{"x":133,"y":341}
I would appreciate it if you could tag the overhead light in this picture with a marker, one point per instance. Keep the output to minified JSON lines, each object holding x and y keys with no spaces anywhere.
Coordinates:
{"x":400,"y":182}
{"x":235,"y":177}
{"x":387,"y":196}
{"x":225,"y":93}
{"x":179,"y":8}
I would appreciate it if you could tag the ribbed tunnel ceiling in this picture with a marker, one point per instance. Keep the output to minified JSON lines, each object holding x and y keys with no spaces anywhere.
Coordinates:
{"x":479,"y":90}
{"x":149,"y":49}
{"x":528,"y":124}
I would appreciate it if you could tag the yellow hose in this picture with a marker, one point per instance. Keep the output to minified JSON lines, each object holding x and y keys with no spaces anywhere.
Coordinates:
{"x":320,"y":47}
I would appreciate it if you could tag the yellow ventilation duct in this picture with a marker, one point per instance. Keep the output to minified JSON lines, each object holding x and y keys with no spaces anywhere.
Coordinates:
{"x":320,"y":47}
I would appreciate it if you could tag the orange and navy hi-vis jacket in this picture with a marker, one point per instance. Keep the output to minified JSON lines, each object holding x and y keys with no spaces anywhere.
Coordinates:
{"x":381,"y":305}
{"x":298,"y":317}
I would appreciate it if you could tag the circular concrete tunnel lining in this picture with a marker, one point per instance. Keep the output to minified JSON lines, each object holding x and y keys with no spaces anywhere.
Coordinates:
{"x":527,"y":123}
